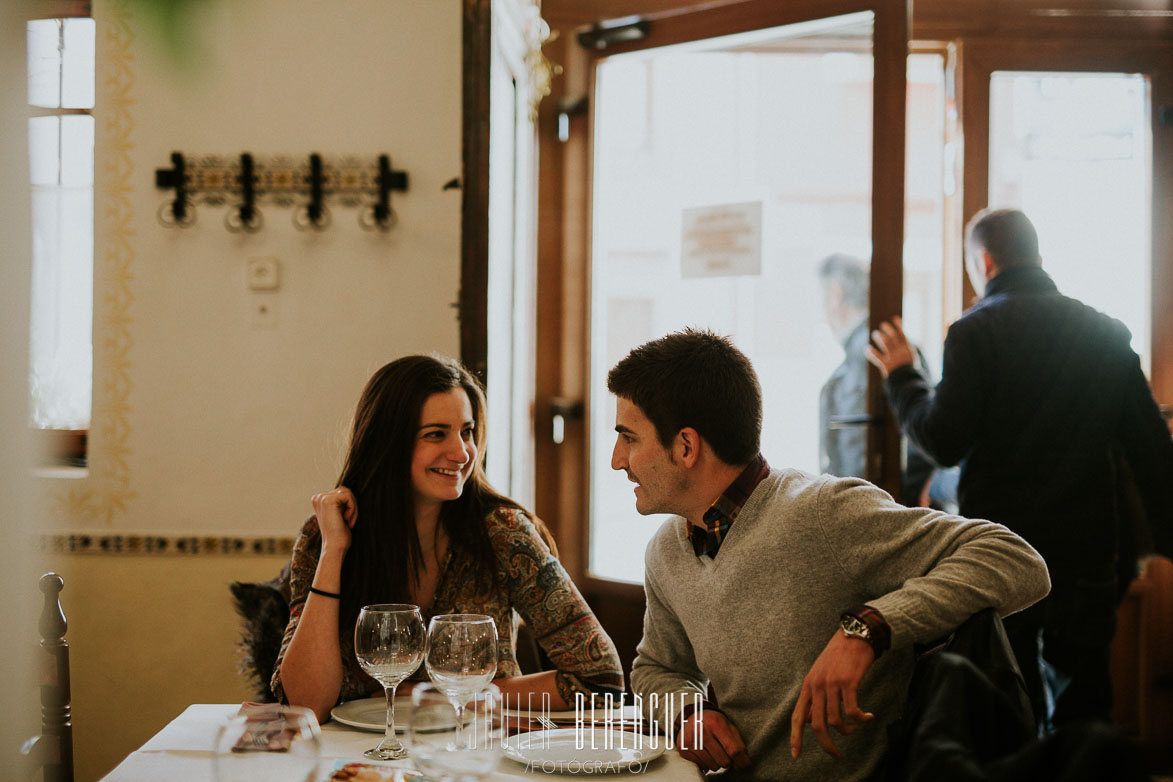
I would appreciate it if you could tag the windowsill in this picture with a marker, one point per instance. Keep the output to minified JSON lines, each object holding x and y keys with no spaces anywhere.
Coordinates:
{"x":62,"y":453}
{"x":59,"y":473}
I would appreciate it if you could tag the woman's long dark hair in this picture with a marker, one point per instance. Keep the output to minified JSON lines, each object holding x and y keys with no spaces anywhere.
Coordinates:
{"x":385,"y":552}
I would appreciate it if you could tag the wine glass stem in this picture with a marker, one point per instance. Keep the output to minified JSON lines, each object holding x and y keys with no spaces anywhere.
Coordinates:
{"x":389,"y":735}
{"x":459,"y":709}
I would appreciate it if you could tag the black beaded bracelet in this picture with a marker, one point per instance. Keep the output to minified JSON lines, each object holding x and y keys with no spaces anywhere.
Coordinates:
{"x":324,"y":593}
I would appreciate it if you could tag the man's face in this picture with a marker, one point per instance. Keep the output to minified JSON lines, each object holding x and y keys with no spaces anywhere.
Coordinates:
{"x":660,"y":482}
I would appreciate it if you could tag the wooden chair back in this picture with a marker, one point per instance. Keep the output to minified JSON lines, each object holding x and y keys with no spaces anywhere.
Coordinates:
{"x":52,"y":751}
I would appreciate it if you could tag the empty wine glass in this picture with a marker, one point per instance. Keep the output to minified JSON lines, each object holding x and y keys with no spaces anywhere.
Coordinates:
{"x":389,"y":644}
{"x":461,"y":657}
{"x":461,"y":749}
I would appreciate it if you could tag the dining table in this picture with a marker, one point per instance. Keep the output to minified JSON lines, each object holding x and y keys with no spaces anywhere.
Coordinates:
{"x":184,"y":750}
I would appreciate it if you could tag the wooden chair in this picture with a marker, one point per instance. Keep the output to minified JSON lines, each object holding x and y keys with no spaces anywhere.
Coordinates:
{"x":52,"y":751}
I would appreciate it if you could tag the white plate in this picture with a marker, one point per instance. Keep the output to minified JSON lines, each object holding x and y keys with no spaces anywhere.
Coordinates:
{"x":371,"y":713}
{"x":573,"y":751}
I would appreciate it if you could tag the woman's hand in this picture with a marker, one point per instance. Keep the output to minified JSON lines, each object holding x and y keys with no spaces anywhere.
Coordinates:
{"x":312,"y":670}
{"x":337,"y":511}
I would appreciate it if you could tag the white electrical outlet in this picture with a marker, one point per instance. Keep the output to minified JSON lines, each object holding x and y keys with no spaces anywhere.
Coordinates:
{"x":263,"y":273}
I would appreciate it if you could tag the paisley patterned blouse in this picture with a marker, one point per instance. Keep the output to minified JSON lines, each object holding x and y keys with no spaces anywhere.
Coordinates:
{"x":532,"y":584}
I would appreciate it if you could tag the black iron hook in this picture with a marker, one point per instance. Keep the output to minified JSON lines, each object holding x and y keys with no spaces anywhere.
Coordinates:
{"x":383,"y":206}
{"x":175,"y":178}
{"x":248,"y":193}
{"x":315,"y":210}
{"x":389,"y":180}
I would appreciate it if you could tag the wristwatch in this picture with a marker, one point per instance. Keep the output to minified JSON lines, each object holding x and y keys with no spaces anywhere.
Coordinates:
{"x":854,"y":627}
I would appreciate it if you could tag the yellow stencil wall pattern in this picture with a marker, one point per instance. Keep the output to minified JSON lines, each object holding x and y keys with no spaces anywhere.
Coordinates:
{"x":106,"y":492}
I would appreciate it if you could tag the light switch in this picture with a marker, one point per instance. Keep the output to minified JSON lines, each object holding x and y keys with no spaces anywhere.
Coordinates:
{"x":264,"y":273}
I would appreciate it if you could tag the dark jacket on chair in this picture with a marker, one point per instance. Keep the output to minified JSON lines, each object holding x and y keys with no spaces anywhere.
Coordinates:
{"x":968,"y":719}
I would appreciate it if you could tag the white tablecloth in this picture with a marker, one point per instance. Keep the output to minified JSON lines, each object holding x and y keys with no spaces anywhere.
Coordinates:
{"x":182,"y":751}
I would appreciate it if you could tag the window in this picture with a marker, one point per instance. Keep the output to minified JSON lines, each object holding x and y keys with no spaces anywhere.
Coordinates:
{"x":518,"y":31}
{"x":702,"y":127}
{"x":61,"y":55}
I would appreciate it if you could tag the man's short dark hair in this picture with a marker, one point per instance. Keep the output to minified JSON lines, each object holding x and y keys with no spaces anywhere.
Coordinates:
{"x":1006,"y":234}
{"x":695,"y":379}
{"x":852,"y":275}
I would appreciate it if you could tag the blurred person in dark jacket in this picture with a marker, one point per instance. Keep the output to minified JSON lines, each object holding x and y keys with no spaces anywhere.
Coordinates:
{"x":1044,"y":404}
{"x":843,"y":419}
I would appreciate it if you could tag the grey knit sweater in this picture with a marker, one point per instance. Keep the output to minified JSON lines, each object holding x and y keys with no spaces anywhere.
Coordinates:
{"x":805,"y":548}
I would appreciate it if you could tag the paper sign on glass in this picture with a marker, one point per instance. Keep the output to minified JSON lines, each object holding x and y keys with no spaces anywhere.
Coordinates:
{"x":722,"y":241}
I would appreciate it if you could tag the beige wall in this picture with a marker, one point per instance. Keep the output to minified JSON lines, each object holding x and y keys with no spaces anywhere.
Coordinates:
{"x":202,"y":422}
{"x":148,"y":635}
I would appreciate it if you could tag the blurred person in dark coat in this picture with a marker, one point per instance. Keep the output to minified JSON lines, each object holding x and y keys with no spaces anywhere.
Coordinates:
{"x":1043,"y":403}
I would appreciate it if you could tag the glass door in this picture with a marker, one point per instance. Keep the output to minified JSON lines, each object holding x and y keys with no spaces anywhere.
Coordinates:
{"x":740,"y":181}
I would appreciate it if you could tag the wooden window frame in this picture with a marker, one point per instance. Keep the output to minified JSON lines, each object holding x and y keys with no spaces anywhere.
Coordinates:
{"x":473,"y":304}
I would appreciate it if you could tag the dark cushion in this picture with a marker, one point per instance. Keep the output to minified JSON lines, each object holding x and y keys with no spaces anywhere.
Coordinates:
{"x":264,"y":611}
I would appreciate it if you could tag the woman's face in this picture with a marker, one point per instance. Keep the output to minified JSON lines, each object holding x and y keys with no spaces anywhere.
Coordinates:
{"x":445,"y":449}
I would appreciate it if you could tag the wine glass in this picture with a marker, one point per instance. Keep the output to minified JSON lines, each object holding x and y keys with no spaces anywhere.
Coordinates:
{"x":461,"y":657}
{"x":389,"y":644}
{"x":268,"y":739}
{"x":445,"y":746}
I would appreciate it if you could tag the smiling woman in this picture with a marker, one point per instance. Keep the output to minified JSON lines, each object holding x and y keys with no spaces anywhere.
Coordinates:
{"x":414,"y":520}
{"x":445,"y":452}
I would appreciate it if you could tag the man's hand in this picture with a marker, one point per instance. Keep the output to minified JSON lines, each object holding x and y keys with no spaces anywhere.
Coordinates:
{"x":890,"y":348}
{"x":828,"y":696}
{"x":720,"y":745}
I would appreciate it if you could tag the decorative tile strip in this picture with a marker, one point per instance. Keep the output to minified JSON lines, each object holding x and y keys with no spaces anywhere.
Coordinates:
{"x":181,"y":545}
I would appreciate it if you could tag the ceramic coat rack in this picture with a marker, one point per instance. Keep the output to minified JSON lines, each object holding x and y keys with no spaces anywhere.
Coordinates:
{"x":308,"y":186}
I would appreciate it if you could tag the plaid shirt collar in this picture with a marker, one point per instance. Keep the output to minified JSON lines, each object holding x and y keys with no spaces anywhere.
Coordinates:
{"x":725,"y":509}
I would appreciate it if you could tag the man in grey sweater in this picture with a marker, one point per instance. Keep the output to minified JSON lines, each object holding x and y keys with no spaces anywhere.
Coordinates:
{"x":795,"y":599}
